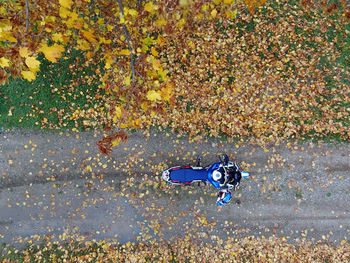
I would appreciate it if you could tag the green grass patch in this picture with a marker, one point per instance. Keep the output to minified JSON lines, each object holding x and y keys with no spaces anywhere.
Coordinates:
{"x":57,"y":97}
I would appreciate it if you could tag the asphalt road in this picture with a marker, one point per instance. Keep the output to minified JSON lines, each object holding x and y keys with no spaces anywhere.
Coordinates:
{"x":57,"y":186}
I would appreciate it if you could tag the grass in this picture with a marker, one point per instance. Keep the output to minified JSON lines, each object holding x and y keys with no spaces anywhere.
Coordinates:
{"x":51,"y":100}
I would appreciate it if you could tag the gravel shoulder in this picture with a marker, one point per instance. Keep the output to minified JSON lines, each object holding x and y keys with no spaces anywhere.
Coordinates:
{"x":57,"y":186}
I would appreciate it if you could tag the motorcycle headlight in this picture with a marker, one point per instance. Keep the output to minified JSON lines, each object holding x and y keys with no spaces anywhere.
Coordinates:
{"x":245,"y":174}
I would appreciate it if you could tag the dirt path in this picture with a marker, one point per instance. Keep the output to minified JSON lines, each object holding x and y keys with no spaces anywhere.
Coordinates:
{"x":58,"y":186}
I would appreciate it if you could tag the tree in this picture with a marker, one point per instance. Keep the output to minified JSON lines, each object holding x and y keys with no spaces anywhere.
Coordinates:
{"x":130,"y":38}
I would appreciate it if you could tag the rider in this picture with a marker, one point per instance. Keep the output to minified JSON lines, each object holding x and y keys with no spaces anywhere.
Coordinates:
{"x":234,"y":178}
{"x":224,"y":196}
{"x":231,"y":179}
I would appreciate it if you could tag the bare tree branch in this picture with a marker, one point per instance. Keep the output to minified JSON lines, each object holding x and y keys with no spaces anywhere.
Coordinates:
{"x":128,"y":41}
{"x":27,"y":15}
{"x":132,"y":64}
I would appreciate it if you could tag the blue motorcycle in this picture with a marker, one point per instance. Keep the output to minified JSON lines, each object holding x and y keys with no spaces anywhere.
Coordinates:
{"x":224,"y":175}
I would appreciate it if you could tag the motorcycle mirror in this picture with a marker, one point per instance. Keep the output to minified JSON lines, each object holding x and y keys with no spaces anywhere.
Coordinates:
{"x":220,"y":159}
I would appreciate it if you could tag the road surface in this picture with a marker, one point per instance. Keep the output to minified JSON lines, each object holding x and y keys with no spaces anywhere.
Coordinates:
{"x":57,"y":186}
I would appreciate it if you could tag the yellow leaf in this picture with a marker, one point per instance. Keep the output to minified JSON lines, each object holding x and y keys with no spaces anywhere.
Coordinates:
{"x":24,"y":52}
{"x":150,"y":7}
{"x":162,"y":75}
{"x":228,"y":1}
{"x":154,"y":52}
{"x":184,"y":3}
{"x":191,"y":44}
{"x":125,"y":52}
{"x":89,"y":54}
{"x":160,"y":22}
{"x":57,"y":37}
{"x":4,"y":62}
{"x":64,"y":13}
{"x":127,"y":80}
{"x":116,"y":142}
{"x":133,"y":12}
{"x":160,"y":40}
{"x":156,"y":64}
{"x":144,"y":106}
{"x":83,"y":44}
{"x":66,"y":3}
{"x":104,"y":41}
{"x":3,"y":10}
{"x":181,"y":22}
{"x":167,"y":91}
{"x":33,"y":63}
{"x":50,"y":19}
{"x":90,"y":35}
{"x":117,"y":114}
{"x":213,"y":13}
{"x":52,"y":53}
{"x":153,"y":95}
{"x":28,"y":75}
{"x":234,"y":13}
{"x":7,"y":36}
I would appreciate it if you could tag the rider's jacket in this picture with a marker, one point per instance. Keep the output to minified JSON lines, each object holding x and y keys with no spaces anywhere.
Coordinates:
{"x":232,"y":177}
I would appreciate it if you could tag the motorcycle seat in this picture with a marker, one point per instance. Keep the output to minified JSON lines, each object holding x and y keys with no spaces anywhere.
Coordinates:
{"x":188,"y":175}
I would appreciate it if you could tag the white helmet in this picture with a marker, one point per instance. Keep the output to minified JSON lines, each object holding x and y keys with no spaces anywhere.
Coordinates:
{"x":216,"y":175}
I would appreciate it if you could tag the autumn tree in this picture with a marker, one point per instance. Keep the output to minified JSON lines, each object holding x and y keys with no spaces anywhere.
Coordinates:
{"x":161,"y":57}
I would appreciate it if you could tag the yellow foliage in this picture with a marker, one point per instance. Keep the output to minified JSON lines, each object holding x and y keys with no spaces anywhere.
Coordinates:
{"x":104,"y":40}
{"x":4,"y":62}
{"x":57,"y":37}
{"x":132,"y":12}
{"x":150,"y":7}
{"x":64,"y":13}
{"x":184,"y":3}
{"x":160,"y":40}
{"x":28,"y":75}
{"x":83,"y":44}
{"x":52,"y":53}
{"x":153,"y":95}
{"x":162,"y":74}
{"x":181,"y":22}
{"x":166,"y":91}
{"x":125,"y":52}
{"x":66,"y":3}
{"x":3,"y":10}
{"x":251,"y":4}
{"x":7,"y":36}
{"x":156,"y":64}
{"x":33,"y":63}
{"x":127,"y":80}
{"x":90,"y":35}
{"x":6,"y":31}
{"x":160,"y":22}
{"x":154,"y":52}
{"x":117,"y":114}
{"x":24,"y":52}
{"x":116,"y":142}
{"x":213,"y":13}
